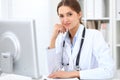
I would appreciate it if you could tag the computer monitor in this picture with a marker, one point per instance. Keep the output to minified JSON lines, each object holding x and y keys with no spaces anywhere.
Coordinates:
{"x":18,"y":50}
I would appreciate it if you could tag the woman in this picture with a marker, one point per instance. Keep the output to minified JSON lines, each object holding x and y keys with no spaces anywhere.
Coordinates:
{"x":75,"y":51}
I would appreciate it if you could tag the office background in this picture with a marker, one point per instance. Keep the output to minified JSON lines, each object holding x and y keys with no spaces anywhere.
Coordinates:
{"x":44,"y":12}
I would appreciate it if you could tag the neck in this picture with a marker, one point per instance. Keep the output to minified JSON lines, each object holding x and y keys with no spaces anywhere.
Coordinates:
{"x":73,"y":32}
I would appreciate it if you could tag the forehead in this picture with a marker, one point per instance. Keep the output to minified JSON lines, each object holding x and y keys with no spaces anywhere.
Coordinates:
{"x":64,"y":10}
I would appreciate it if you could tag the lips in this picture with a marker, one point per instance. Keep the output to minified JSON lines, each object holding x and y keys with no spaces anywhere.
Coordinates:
{"x":67,"y":24}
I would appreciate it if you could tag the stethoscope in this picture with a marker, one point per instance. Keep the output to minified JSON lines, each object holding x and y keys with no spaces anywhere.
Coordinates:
{"x":77,"y":67}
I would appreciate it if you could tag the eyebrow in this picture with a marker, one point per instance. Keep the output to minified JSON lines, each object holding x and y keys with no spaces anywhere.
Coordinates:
{"x":66,"y":13}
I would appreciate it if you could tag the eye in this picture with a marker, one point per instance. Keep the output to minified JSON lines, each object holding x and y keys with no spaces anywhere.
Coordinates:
{"x":61,"y":16}
{"x":69,"y":14}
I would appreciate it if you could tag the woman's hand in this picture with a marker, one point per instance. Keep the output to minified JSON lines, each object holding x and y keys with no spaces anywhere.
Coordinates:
{"x":64,"y":74}
{"x":58,"y":28}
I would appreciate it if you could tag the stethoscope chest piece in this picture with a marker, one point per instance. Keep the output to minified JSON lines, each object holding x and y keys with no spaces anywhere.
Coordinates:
{"x":77,"y":68}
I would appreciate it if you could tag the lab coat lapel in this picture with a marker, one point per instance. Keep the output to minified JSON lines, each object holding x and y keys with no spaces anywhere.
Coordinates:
{"x":76,"y":48}
{"x":77,"y":43}
{"x":68,"y":51}
{"x":68,"y":47}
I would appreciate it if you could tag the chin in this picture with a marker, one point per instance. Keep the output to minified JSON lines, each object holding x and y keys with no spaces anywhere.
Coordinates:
{"x":67,"y":28}
{"x":70,"y":28}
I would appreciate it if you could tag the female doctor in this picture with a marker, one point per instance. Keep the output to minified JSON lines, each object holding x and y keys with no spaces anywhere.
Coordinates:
{"x":75,"y":51}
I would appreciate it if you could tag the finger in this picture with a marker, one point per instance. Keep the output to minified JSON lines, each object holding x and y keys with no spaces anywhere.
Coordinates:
{"x":52,"y":76}
{"x":62,"y":30}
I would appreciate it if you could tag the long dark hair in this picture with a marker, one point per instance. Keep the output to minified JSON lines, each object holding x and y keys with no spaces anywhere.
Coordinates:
{"x":73,"y":4}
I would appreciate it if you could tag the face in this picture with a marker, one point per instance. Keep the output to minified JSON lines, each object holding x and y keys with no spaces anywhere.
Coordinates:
{"x":68,"y":17}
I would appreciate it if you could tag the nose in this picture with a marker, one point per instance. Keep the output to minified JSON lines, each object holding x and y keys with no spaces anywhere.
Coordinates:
{"x":65,"y":19}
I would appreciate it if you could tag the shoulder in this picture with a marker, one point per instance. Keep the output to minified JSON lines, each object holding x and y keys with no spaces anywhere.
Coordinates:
{"x":93,"y":32}
{"x":94,"y":35}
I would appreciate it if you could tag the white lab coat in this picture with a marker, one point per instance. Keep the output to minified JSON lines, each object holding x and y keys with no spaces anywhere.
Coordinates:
{"x":95,"y":60}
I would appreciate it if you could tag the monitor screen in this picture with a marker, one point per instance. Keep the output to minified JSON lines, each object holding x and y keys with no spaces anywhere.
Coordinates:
{"x":18,"y":50}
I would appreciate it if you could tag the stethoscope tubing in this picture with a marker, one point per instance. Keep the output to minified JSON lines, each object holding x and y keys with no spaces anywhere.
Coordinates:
{"x":79,"y":52}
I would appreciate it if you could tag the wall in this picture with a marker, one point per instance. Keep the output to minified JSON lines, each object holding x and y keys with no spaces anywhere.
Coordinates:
{"x":6,"y":7}
{"x":53,"y":13}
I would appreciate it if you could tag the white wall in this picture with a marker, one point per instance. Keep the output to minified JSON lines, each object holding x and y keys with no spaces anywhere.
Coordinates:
{"x":53,"y":13}
{"x":6,"y":7}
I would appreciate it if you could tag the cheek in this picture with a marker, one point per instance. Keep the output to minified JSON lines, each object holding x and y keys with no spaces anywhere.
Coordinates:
{"x":75,"y":18}
{"x":75,"y":22}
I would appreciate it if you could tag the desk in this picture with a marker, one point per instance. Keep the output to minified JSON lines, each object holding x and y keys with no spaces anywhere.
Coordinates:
{"x":18,"y":77}
{"x":13,"y":77}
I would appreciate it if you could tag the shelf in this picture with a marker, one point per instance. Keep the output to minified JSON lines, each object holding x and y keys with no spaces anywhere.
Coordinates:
{"x":117,"y":45}
{"x":96,"y":8}
{"x":97,"y":19}
{"x":118,"y":19}
{"x":104,"y":15}
{"x":117,"y":32}
{"x":118,"y":9}
{"x":118,"y":57}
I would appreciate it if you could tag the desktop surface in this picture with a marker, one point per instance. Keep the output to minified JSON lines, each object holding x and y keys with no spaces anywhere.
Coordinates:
{"x":18,"y":77}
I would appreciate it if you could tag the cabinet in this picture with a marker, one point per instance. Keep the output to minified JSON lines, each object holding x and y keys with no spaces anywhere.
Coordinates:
{"x":104,"y":15}
{"x":118,"y":8}
{"x":97,"y":14}
{"x":116,"y":28}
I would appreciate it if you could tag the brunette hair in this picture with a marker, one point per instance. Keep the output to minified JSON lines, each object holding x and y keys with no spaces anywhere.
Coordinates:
{"x":73,"y":4}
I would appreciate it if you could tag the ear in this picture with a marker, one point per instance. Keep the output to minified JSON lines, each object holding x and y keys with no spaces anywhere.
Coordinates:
{"x":80,"y":14}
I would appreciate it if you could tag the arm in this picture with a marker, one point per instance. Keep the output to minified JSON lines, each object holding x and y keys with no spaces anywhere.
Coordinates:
{"x":58,"y":28}
{"x":64,"y":74}
{"x":54,"y":49}
{"x":101,"y":51}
